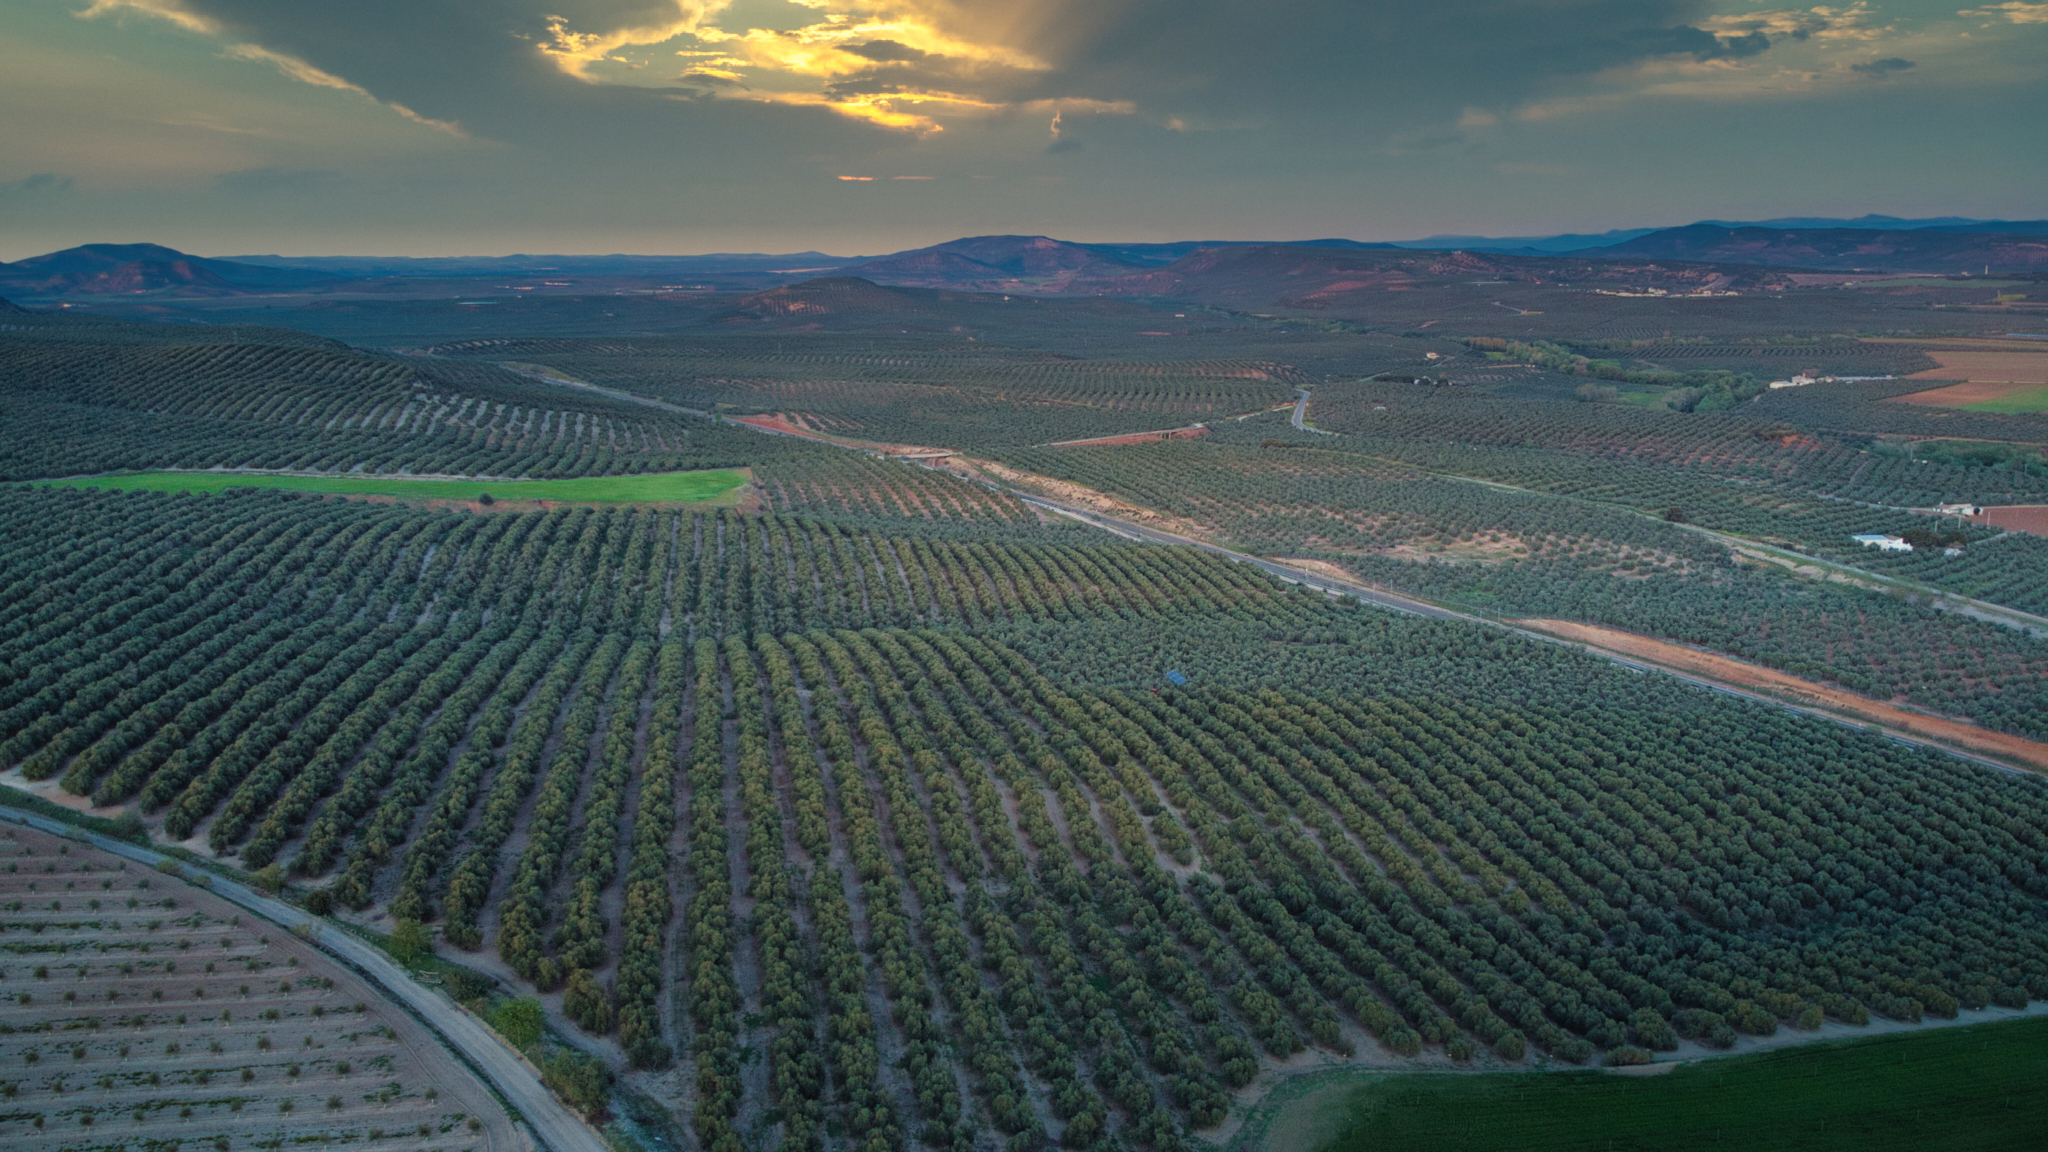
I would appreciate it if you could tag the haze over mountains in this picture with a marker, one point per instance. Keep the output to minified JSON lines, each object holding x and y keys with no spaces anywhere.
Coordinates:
{"x":1043,"y":265}
{"x":1933,"y":249}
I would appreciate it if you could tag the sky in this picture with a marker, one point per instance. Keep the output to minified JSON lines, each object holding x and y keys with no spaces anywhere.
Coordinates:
{"x":481,"y":127}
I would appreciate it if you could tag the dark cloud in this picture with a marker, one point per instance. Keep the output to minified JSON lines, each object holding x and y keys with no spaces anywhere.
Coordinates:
{"x":1381,"y":66}
{"x":1377,"y":67}
{"x":1700,"y":44}
{"x":1883,"y":69}
{"x":887,"y":51}
{"x":40,"y":184}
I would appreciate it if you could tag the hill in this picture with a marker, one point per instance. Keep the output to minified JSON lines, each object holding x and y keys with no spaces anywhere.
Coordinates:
{"x":1296,"y":277}
{"x":9,"y":307}
{"x":101,"y":269}
{"x":1930,"y":250}
{"x":993,"y":263}
{"x":1045,"y":265}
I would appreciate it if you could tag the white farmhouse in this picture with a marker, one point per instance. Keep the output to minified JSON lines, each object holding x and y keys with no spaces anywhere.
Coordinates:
{"x":1881,"y":542}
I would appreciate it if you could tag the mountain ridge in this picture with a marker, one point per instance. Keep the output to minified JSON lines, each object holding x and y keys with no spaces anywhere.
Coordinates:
{"x":1858,"y":249}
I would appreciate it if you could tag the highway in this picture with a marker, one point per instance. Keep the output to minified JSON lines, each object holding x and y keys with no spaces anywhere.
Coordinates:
{"x":555,"y":1127}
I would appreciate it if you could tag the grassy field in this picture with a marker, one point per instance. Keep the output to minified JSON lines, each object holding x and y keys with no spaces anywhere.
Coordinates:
{"x":1951,"y":1088}
{"x":648,"y":488}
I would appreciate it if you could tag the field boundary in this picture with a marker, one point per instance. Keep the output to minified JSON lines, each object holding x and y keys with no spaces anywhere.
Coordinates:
{"x":1261,"y":1117}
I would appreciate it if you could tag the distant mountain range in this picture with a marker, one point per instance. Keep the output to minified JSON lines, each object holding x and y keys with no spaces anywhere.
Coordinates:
{"x":712,"y":264}
{"x":1941,"y":249}
{"x":1043,"y":265}
{"x":1581,"y":241}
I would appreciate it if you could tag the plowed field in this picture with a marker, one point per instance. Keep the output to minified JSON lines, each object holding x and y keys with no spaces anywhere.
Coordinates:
{"x":141,"y":1012}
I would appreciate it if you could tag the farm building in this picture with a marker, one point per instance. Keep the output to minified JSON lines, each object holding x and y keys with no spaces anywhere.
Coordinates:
{"x":1881,"y":542}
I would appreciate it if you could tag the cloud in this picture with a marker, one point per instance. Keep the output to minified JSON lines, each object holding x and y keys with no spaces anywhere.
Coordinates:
{"x":40,"y":184}
{"x":1824,"y":23}
{"x":190,"y":19}
{"x":173,"y":11}
{"x":917,"y":65}
{"x":2014,"y":11}
{"x":885,"y":51}
{"x":1700,"y":44}
{"x":1882,"y":69}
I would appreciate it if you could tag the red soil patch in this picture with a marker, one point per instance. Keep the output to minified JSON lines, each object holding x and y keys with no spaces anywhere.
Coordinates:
{"x":774,"y":423}
{"x":2017,"y":518}
{"x":1134,"y":438}
{"x":784,"y":422}
{"x":1959,"y":733}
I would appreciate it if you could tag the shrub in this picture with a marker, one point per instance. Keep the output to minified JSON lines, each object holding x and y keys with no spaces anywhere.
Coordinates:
{"x":519,"y":1021}
{"x":583,"y":1082}
{"x":270,"y":877}
{"x":410,"y":943}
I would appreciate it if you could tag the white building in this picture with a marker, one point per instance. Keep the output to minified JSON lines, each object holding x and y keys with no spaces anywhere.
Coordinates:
{"x":1881,"y":542}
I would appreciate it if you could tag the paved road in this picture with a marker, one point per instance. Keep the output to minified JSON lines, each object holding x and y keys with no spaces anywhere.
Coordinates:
{"x":1301,"y":415}
{"x":556,"y":1128}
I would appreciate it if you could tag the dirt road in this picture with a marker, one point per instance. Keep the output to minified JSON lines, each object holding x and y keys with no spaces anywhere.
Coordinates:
{"x":2014,"y":749}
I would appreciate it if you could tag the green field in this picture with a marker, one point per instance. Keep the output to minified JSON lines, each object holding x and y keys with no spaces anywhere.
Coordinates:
{"x":646,"y":488}
{"x":2029,"y":400}
{"x":1950,"y":1088}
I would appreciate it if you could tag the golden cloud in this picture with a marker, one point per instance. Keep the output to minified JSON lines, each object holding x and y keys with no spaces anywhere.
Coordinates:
{"x":1856,"y":22}
{"x":919,"y":69}
{"x":171,"y":10}
{"x":2014,"y":11}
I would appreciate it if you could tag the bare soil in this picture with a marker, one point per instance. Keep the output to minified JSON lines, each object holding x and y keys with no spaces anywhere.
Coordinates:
{"x":795,"y":425}
{"x":1960,"y":733}
{"x":1133,"y":438}
{"x":1089,"y":498}
{"x":2017,"y":518}
{"x":1991,"y":376}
